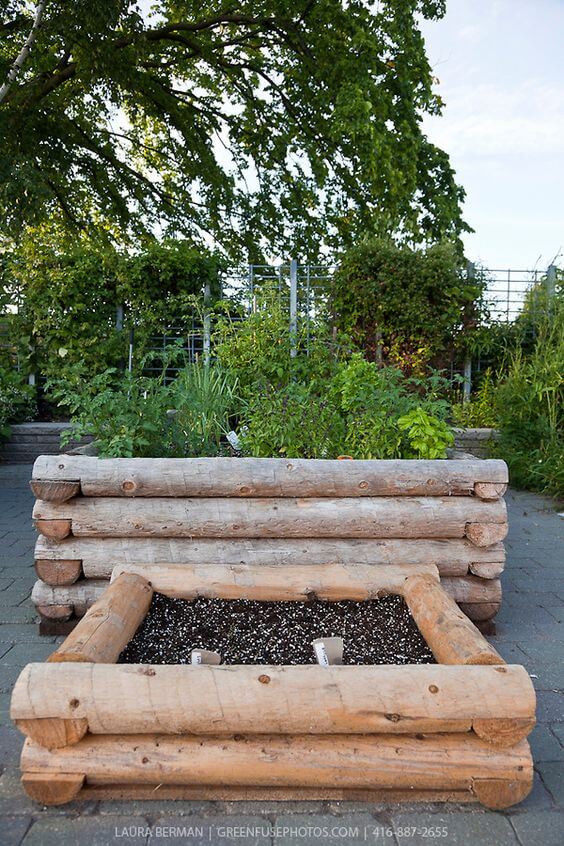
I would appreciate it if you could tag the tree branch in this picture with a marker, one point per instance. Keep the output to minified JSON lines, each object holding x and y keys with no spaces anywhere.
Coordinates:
{"x":24,"y":52}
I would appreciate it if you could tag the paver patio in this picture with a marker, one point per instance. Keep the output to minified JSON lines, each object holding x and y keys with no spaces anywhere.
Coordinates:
{"x":530,"y":632}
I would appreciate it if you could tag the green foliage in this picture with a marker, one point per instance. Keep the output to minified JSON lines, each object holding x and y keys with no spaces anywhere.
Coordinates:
{"x":17,"y":400}
{"x":480,"y":411}
{"x":117,"y":111}
{"x":132,"y":416}
{"x":404,"y":306}
{"x":530,"y":407}
{"x":428,"y":437}
{"x":293,"y":421}
{"x":67,"y":293}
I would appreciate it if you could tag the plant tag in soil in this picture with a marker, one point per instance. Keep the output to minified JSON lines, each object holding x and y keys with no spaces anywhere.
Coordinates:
{"x":328,"y":650}
{"x":204,"y":656}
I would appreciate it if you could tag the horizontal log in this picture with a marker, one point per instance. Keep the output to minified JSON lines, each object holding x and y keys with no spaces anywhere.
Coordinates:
{"x":62,"y":572}
{"x":451,"y":636}
{"x":270,"y":477}
{"x":292,"y":582}
{"x":217,"y":792}
{"x":490,"y":490}
{"x":468,"y":589}
{"x":54,"y":491}
{"x":436,"y":762}
{"x":368,"y":517}
{"x":472,"y":589}
{"x":486,"y":569}
{"x":124,"y":699}
{"x":100,"y":555}
{"x":110,"y":623}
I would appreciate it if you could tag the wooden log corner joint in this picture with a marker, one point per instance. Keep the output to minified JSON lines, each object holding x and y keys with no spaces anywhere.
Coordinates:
{"x":451,"y":731}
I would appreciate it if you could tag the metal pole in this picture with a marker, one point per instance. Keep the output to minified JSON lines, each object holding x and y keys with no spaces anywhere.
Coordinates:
{"x":207,"y":325}
{"x":467,"y":384}
{"x":293,"y":308}
{"x":551,"y":281}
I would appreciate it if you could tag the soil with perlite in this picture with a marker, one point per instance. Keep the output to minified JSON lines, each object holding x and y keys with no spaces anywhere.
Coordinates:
{"x":377,"y":631}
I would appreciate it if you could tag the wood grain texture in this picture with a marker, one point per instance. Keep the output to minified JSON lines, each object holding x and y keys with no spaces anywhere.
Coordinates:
{"x":100,"y":555}
{"x":436,"y":762}
{"x":64,"y":571}
{"x":54,"y":529}
{"x":52,"y":788}
{"x":109,"y":624}
{"x":368,"y":517}
{"x":270,"y":477}
{"x":121,"y":699}
{"x":54,"y":491}
{"x":53,"y":732}
{"x":452,"y":637}
{"x":265,"y":583}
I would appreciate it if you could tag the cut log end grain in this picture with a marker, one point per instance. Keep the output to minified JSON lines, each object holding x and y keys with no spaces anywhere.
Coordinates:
{"x":486,"y":534}
{"x":60,"y":613}
{"x":480,"y":612}
{"x":55,"y":529}
{"x":489,"y":490}
{"x":52,"y":788}
{"x":52,"y":732}
{"x":54,"y":491}
{"x":498,"y":794}
{"x":504,"y":732}
{"x":486,"y":570}
{"x":64,"y":571}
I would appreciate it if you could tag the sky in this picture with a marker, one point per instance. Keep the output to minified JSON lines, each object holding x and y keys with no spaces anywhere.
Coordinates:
{"x":501,"y":69}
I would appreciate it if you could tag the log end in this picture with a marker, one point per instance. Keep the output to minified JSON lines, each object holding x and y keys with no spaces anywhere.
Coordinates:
{"x":53,"y":732}
{"x":489,"y":490}
{"x":498,"y":794}
{"x":64,"y":571}
{"x":54,"y":529}
{"x":486,"y":534}
{"x":54,"y":491}
{"x":60,"y":613}
{"x":480,"y":612}
{"x":52,"y":788}
{"x":504,"y":732}
{"x":486,"y":570}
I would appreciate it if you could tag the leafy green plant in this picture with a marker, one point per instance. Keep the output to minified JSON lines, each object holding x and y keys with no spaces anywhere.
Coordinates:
{"x":480,"y":411}
{"x":530,"y":407}
{"x":428,"y":437}
{"x":17,"y":400}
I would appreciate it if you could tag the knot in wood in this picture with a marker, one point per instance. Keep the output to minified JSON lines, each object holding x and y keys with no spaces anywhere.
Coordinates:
{"x":244,"y":489}
{"x":500,"y":670}
{"x":264,"y":679}
{"x":394,"y":718}
{"x":128,"y":485}
{"x":61,"y":466}
{"x":433,"y":688}
{"x":74,"y":703}
{"x":148,"y":671}
{"x":363,"y":485}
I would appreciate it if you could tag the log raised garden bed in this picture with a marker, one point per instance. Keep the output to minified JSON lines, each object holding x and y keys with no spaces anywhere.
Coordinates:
{"x":454,"y":730}
{"x":94,"y":514}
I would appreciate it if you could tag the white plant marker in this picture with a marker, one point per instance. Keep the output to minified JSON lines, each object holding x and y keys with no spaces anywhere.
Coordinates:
{"x":204,"y":656}
{"x":328,"y":650}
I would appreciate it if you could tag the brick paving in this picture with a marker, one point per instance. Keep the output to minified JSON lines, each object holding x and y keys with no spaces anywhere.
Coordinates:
{"x":529,"y":632}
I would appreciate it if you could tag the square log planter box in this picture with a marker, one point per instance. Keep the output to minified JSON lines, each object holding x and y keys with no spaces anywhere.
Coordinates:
{"x":93,"y":514}
{"x":451,"y":731}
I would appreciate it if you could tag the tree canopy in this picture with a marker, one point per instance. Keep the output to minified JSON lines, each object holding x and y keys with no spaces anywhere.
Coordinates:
{"x":292,"y":123}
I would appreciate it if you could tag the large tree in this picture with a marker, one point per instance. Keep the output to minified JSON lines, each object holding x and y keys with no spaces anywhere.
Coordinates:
{"x":292,"y":123}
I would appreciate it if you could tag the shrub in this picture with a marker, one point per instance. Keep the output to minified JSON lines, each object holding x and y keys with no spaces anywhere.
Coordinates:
{"x":403,"y":306}
{"x":17,"y":400}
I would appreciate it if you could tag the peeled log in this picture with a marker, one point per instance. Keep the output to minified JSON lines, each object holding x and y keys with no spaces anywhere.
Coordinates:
{"x":268,"y":477}
{"x":329,"y":581}
{"x":62,"y":572}
{"x":110,"y":623}
{"x":451,"y":636}
{"x":100,"y":555}
{"x":437,"y":762}
{"x":121,"y":699}
{"x":368,"y":517}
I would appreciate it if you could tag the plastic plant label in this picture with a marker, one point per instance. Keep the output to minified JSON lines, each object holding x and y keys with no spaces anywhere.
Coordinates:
{"x":328,"y":650}
{"x":204,"y":656}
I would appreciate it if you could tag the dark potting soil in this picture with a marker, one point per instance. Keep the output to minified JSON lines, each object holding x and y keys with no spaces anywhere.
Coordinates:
{"x":378,"y":631}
